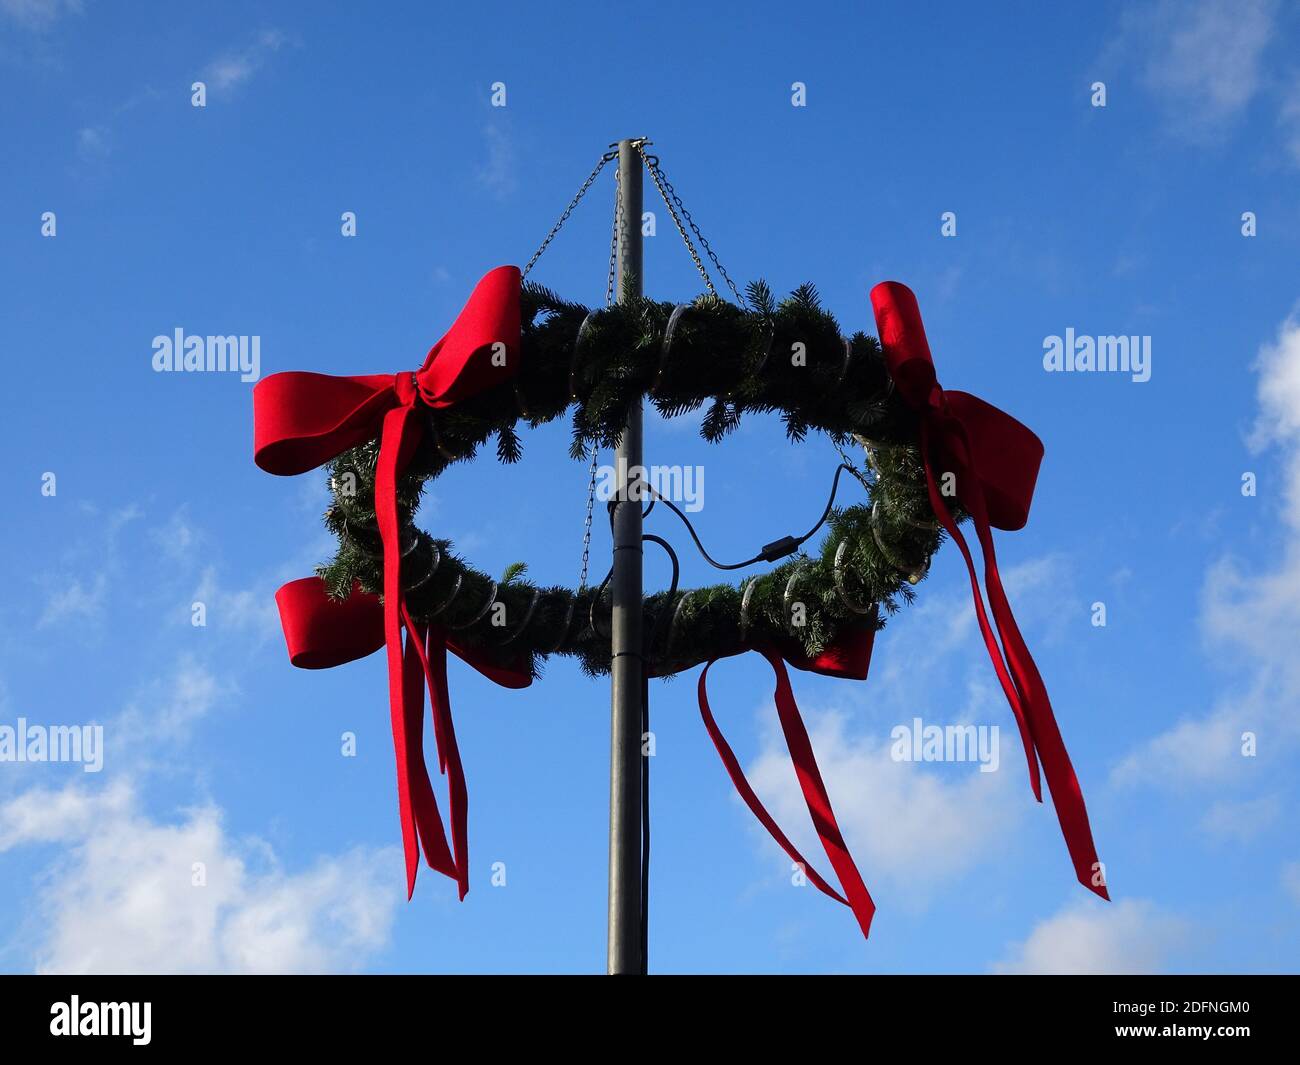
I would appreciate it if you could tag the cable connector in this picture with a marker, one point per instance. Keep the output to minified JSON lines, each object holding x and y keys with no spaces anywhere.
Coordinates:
{"x":787,"y":545}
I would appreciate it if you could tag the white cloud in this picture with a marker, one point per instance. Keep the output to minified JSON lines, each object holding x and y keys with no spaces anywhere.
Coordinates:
{"x":122,"y":899}
{"x":1250,"y":613}
{"x":498,"y":174}
{"x":193,"y":692}
{"x":163,"y":715}
{"x":1241,"y":821}
{"x":237,"y":66}
{"x":244,"y":610}
{"x":1202,"y":58}
{"x":77,"y":598}
{"x":93,"y":144}
{"x":118,"y":894}
{"x":178,"y":538}
{"x":1291,"y":880}
{"x":916,"y":826}
{"x":38,"y":14}
{"x":905,"y":823}
{"x":75,"y":601}
{"x":1095,"y":938}
{"x":1288,"y":120}
{"x":1278,"y":392}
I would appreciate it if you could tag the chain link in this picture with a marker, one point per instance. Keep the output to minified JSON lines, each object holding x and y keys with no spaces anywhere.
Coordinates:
{"x":674,"y":204}
{"x":613,"y":241}
{"x":595,"y":450}
{"x":582,"y":191}
{"x":853,"y":467}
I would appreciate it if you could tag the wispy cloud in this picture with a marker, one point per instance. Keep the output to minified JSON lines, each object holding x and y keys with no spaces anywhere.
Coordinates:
{"x":913,"y":826}
{"x":83,"y":597}
{"x":38,"y":15}
{"x":93,"y":144}
{"x":1206,"y":63}
{"x":1288,"y":119}
{"x":1092,"y":938}
{"x":1291,"y":880}
{"x":236,"y":66}
{"x":1241,"y":821}
{"x":1250,"y":612}
{"x":166,"y":711}
{"x":1206,"y":60}
{"x":75,"y":602}
{"x":498,"y":173}
{"x":1202,"y":59}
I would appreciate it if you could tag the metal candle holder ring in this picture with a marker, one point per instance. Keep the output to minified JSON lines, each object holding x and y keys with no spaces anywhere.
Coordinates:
{"x":435,"y":556}
{"x":744,"y":606}
{"x":370,"y":543}
{"x":788,"y":598}
{"x":672,"y":625}
{"x":848,"y":357}
{"x":583,"y":330}
{"x":492,"y":598}
{"x":669,"y":330}
{"x":431,"y":421}
{"x":913,"y":573}
{"x":857,"y":608}
{"x":455,"y":591}
{"x":564,"y":629}
{"x":591,"y":610}
{"x":528,"y":616}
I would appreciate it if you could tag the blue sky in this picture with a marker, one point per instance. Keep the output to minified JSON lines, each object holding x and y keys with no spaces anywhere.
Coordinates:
{"x":1123,"y":219}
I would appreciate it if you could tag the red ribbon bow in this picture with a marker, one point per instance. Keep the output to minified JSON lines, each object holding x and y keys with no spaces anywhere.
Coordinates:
{"x":302,"y":420}
{"x":995,"y":460}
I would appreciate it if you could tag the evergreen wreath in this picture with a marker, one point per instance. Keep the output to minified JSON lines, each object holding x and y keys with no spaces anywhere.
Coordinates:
{"x":788,"y":357}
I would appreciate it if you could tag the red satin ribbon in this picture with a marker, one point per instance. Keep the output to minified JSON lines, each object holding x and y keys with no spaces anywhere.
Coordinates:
{"x":995,"y":460}
{"x":302,"y":420}
{"x":855,"y":896}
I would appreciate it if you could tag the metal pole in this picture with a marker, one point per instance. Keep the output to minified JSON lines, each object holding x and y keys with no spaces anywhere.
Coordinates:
{"x":626,"y":590}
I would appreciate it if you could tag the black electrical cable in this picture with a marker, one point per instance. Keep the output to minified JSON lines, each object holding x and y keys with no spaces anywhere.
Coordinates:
{"x":787,"y":545}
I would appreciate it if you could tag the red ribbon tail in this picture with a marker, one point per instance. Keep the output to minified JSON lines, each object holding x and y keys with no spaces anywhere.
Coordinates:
{"x":1018,"y":673}
{"x":1062,"y":782}
{"x":457,"y":792}
{"x":1013,"y":694}
{"x":814,"y":793}
{"x":434,"y":661}
{"x":424,"y":804}
{"x":397,"y":439}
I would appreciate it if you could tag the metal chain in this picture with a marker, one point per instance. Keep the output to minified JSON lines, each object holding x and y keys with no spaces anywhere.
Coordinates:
{"x":582,"y":191}
{"x":595,"y":450}
{"x":674,"y":204}
{"x":613,"y":240}
{"x":586,"y":529}
{"x":853,"y":467}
